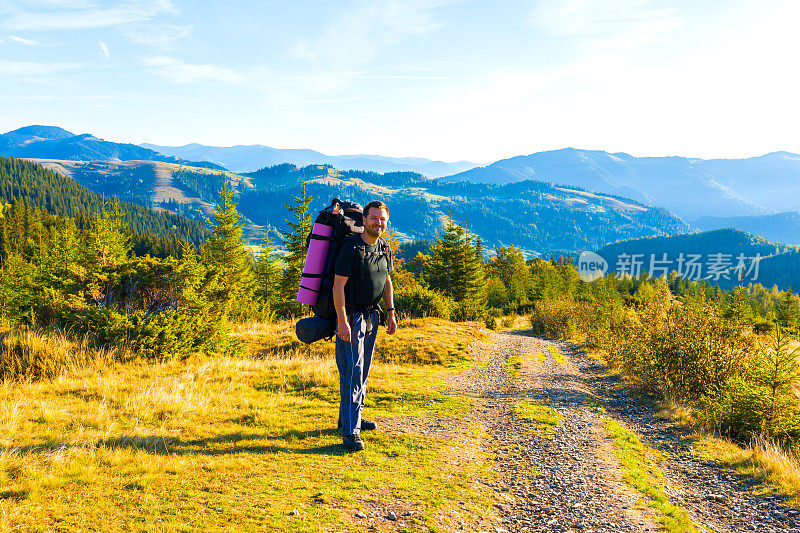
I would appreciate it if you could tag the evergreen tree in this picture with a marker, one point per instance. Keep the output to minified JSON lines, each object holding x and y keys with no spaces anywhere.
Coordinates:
{"x":105,"y":242}
{"x":454,"y":267}
{"x":105,"y":246}
{"x":229,"y":259}
{"x":787,"y":310}
{"x":267,"y":276}
{"x":776,"y":374}
{"x":294,"y":241}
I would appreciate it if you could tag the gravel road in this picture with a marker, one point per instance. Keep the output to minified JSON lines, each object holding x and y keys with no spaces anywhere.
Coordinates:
{"x":571,"y":480}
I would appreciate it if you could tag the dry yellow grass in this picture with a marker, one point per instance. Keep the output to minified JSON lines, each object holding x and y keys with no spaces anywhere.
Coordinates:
{"x":776,"y":467}
{"x":232,"y":443}
{"x":31,"y":354}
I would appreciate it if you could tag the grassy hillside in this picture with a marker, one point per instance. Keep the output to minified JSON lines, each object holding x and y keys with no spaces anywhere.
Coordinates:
{"x":538,"y":217}
{"x":210,"y":442}
{"x":61,"y":195}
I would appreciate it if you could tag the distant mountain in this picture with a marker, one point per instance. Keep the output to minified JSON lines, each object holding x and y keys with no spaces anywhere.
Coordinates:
{"x":253,"y":157}
{"x":689,"y":187}
{"x":783,"y":227}
{"x":537,"y":217}
{"x":51,"y":142}
{"x":712,"y":255}
{"x":59,"y":194}
{"x":175,"y":188}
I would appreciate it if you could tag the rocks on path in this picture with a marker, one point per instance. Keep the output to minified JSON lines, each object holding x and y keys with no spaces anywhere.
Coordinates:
{"x":571,"y":479}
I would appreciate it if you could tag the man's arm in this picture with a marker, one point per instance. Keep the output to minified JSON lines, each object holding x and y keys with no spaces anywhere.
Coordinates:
{"x":388,"y":300}
{"x":338,"y":303}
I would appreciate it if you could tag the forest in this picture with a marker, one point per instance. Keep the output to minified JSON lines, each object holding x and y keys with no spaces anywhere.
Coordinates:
{"x":97,"y":269}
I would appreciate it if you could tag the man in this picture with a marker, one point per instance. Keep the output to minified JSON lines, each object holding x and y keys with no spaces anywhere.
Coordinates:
{"x":362,"y":278}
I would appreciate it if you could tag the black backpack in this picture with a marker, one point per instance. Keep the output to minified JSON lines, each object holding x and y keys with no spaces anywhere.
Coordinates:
{"x":346,"y":218}
{"x":347,"y":222}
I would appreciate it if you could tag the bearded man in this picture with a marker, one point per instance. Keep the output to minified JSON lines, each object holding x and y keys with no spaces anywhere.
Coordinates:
{"x":362,"y":278}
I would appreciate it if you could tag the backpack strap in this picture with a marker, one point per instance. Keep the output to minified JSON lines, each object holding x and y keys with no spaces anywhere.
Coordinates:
{"x":362,"y":252}
{"x":386,"y":251}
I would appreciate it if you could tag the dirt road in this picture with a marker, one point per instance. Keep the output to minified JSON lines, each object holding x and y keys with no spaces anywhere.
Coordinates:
{"x":568,"y":477}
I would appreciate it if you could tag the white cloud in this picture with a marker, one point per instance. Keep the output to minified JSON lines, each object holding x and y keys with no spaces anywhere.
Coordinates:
{"x":57,"y":15}
{"x":104,"y":49}
{"x":30,"y":68}
{"x":22,"y":40}
{"x":181,"y":72}
{"x":367,"y":27}
{"x":157,"y":34}
{"x":606,"y":23}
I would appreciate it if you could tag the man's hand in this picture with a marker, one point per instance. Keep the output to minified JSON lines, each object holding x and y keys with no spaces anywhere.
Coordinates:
{"x":343,"y":330}
{"x":391,"y":323}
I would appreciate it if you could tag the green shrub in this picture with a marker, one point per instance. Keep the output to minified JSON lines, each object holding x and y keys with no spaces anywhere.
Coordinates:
{"x":175,"y":334}
{"x":554,"y":319}
{"x":762,"y":401}
{"x":762,"y":327}
{"x":416,"y":301}
{"x":495,"y":312}
{"x":468,"y":311}
{"x":491,"y":322}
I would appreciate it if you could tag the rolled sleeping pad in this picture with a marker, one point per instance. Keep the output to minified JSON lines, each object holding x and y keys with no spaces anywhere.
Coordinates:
{"x":314,"y":328}
{"x":315,"y":263}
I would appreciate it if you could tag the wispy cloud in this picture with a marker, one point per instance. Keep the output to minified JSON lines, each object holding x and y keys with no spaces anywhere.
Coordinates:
{"x":21,"y":40}
{"x":104,"y":49}
{"x":606,"y":23}
{"x":58,"y":15}
{"x":181,"y":72}
{"x":366,"y":27}
{"x":31,"y":68}
{"x":153,"y":33}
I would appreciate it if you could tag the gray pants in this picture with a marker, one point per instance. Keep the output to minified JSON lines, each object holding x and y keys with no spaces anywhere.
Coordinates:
{"x":353,"y":360}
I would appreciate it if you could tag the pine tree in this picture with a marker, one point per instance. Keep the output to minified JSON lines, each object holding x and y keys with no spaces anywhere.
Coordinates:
{"x":229,"y":259}
{"x":294,"y":241}
{"x":454,"y":267}
{"x":105,"y":247}
{"x":787,"y":310}
{"x":777,"y":373}
{"x":105,"y":241}
{"x":266,"y":273}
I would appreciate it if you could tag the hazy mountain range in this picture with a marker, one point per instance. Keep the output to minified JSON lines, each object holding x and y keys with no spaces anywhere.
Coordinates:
{"x":688,"y":187}
{"x":253,"y":157}
{"x":539,"y":218}
{"x":760,"y":195}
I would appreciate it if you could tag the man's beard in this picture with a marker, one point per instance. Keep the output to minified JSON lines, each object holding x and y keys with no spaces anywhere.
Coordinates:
{"x":371,"y":232}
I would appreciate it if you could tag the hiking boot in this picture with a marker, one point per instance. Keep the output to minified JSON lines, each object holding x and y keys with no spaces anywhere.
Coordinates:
{"x":366,"y":425}
{"x":353,"y":443}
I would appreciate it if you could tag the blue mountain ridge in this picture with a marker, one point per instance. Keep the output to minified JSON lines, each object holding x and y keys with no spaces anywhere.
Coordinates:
{"x":248,"y":158}
{"x":689,"y":187}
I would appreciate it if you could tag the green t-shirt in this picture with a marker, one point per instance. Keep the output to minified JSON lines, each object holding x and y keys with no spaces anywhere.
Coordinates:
{"x":365,"y":284}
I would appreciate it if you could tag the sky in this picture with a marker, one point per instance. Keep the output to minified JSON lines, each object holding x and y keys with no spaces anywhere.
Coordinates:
{"x":442,"y":79}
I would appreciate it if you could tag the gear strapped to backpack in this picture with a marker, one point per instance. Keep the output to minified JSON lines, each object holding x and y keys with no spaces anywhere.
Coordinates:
{"x":345,"y":219}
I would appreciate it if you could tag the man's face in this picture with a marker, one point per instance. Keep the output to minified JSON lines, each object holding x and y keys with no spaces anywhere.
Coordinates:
{"x":375,"y":221}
